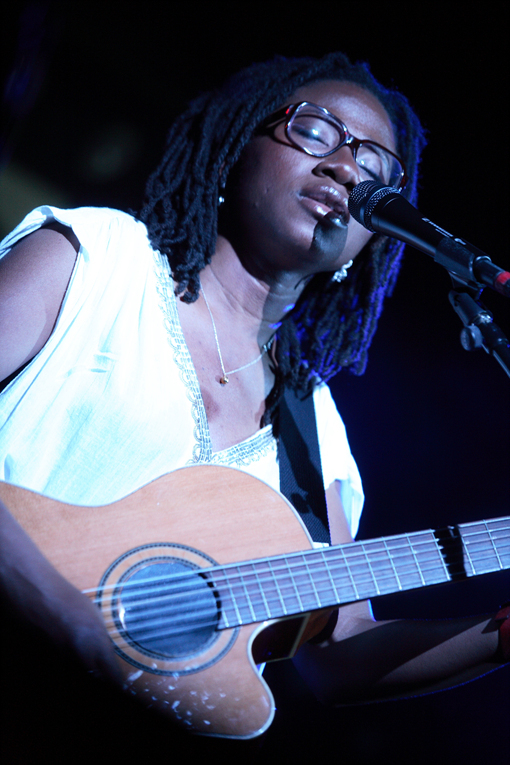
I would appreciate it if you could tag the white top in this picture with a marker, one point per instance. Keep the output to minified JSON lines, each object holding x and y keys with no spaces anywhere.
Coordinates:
{"x":112,"y":401}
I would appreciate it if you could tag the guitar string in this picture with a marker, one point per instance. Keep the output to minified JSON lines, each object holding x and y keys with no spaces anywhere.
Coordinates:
{"x":242,"y":573}
{"x":357,"y":554}
{"x":166,"y":593}
{"x":244,"y":597}
{"x":142,"y":630}
{"x":356,"y":551}
{"x":315,"y":594}
{"x":174,"y":615}
{"x":167,"y":631}
{"x":318,"y":586}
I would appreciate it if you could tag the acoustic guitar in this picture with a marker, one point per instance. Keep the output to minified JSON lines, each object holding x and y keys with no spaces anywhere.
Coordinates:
{"x":192,"y":607}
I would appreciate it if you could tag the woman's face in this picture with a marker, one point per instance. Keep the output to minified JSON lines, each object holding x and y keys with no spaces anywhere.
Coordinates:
{"x":277,"y":196}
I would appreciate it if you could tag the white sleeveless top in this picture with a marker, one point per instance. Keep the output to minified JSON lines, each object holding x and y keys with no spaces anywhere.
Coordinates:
{"x":112,"y":401}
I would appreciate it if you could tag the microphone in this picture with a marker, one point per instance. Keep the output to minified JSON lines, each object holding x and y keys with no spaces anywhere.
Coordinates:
{"x":384,"y":210}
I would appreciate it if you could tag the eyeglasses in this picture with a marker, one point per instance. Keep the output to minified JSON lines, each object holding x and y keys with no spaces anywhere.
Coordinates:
{"x":314,"y":130}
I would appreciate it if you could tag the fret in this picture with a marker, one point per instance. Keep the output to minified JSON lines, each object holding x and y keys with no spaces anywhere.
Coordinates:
{"x":276,"y":606}
{"x":310,"y":596}
{"x":340,"y":577}
{"x":369,"y":566}
{"x":282,"y":610}
{"x":433,"y":568}
{"x":405,"y":563}
{"x":481,"y":550}
{"x":293,"y":598}
{"x":305,"y":581}
{"x":499,"y":532}
{"x":417,"y":560}
{"x":468,"y":558}
{"x":353,"y":590}
{"x":325,"y":554}
{"x":357,"y":569}
{"x":486,"y":544}
{"x":228,"y":599}
{"x":288,"y":590}
{"x":392,"y":562}
{"x":366,"y":549}
{"x":380,"y":566}
{"x":493,"y":544}
{"x":245,"y":600}
{"x":239,"y":590}
{"x":252,"y":592}
{"x":264,"y":604}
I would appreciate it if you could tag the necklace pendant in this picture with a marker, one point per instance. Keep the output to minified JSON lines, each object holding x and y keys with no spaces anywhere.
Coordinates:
{"x":223,"y":380}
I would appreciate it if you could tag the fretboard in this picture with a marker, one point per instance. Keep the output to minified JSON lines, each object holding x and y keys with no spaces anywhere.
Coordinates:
{"x":283,"y":585}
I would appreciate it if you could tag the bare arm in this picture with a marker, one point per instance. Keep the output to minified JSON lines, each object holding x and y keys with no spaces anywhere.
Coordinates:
{"x":37,"y":595}
{"x":33,"y":279}
{"x":365,"y":660}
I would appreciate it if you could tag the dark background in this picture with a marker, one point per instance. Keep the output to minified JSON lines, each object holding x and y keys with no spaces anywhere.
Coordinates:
{"x":90,"y":91}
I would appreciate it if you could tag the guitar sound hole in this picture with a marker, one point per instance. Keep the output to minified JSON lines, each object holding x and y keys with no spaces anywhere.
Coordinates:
{"x":164,"y":613}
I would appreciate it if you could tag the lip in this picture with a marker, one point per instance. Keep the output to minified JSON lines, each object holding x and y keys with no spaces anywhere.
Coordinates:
{"x":325,"y":199}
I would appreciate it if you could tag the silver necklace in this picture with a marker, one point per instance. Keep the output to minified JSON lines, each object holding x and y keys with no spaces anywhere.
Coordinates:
{"x":224,"y":378}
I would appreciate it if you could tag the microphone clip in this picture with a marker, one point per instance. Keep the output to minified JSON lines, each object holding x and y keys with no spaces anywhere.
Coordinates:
{"x":479,"y":330}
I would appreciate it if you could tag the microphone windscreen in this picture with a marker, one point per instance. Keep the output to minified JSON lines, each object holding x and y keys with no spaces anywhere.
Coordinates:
{"x":363,"y":199}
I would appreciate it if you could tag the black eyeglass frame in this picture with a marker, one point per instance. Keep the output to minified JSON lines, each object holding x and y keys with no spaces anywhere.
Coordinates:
{"x":289,"y":112}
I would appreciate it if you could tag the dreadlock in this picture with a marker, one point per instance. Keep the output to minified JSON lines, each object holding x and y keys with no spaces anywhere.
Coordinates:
{"x":331,"y":326}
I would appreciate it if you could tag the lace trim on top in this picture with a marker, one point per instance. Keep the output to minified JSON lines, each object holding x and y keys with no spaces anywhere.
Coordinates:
{"x":202,"y":449}
{"x":253,"y":448}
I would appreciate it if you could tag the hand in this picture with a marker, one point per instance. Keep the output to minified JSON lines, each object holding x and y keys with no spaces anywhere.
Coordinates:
{"x":503,"y":620}
{"x":39,"y":597}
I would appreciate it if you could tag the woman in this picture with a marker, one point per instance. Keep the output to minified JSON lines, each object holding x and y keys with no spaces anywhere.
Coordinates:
{"x":249,"y":206}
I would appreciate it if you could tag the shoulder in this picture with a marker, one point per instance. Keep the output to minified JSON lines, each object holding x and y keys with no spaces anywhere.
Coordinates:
{"x":326,"y":410}
{"x":37,"y":261}
{"x":87,"y":223}
{"x":102,"y":237}
{"x":338,"y":464}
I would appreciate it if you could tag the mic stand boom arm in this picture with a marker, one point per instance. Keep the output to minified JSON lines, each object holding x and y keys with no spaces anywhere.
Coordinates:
{"x":470,"y":269}
{"x":480,"y":330}
{"x":384,"y":210}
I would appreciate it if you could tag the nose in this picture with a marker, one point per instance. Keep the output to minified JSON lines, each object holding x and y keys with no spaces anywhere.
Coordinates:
{"x":340,"y":167}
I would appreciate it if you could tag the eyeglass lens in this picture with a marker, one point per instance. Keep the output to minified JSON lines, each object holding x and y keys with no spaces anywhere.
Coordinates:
{"x":312,"y":132}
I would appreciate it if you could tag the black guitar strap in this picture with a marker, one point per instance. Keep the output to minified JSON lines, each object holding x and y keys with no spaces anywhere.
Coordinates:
{"x":300,"y":463}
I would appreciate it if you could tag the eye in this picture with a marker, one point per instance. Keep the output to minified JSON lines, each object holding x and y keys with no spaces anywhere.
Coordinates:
{"x":315,"y":134}
{"x":309,"y":131}
{"x":374,"y":162}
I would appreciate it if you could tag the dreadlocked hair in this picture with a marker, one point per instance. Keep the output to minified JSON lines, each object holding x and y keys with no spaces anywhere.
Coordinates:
{"x":332,"y":325}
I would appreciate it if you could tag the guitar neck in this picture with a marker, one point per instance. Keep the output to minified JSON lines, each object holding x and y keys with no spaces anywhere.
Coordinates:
{"x":284,"y":585}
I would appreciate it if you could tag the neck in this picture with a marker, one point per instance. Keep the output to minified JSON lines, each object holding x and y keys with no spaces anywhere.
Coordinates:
{"x":258,"y":302}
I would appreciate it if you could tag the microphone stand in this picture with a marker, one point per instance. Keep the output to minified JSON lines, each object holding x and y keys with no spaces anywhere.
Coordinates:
{"x":480,"y":330}
{"x":382,"y":209}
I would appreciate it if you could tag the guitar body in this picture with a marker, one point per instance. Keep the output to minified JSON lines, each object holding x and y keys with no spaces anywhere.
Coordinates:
{"x":207,"y":570}
{"x":204,"y":678}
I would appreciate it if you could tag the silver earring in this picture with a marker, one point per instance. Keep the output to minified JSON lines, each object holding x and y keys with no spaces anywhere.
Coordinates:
{"x":221,"y":200}
{"x":340,"y":275}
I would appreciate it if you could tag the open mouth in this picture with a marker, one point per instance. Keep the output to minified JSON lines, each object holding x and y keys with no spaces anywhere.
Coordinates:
{"x":323,"y":200}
